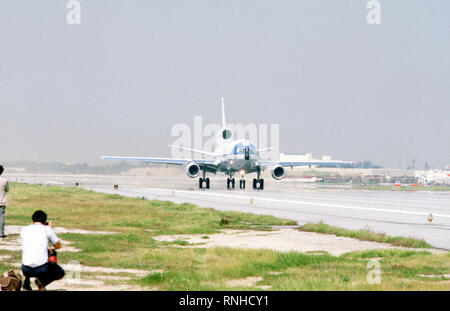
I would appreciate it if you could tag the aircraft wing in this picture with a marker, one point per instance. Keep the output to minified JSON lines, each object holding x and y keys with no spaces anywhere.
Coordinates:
{"x":172,"y":161}
{"x":336,"y":163}
{"x":206,"y":165}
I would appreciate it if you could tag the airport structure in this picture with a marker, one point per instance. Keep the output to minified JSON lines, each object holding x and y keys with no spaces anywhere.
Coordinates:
{"x":306,"y":157}
{"x":342,"y":173}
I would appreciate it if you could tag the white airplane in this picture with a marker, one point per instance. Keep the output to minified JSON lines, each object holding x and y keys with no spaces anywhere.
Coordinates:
{"x":434,"y":177}
{"x":230,"y":157}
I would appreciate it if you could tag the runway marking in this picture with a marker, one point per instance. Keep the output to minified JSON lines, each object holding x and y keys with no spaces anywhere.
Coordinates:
{"x":55,"y":182}
{"x":256,"y":199}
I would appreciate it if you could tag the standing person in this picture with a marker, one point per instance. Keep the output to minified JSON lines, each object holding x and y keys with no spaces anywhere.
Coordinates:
{"x":4,"y":188}
{"x":35,"y":242}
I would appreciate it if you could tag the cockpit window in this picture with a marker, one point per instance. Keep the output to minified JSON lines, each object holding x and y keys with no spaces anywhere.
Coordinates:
{"x":240,"y":148}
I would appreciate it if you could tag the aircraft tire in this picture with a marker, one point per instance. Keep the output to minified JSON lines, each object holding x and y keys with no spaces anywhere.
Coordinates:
{"x":232,"y":183}
{"x":207,"y":183}
{"x":200,"y":183}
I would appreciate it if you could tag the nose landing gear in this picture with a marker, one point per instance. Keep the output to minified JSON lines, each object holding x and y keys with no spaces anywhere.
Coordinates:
{"x":242,"y":184}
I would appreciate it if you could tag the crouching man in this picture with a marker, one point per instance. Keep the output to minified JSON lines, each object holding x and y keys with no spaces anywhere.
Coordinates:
{"x":35,"y":243}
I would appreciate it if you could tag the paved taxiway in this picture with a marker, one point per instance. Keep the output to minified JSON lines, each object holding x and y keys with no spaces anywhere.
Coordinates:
{"x":391,"y":212}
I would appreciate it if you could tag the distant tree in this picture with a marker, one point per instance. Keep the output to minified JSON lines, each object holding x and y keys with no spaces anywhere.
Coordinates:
{"x":83,"y":168}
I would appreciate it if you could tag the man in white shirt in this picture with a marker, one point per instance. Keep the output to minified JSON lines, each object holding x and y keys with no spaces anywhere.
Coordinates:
{"x":4,"y":188}
{"x":35,"y":242}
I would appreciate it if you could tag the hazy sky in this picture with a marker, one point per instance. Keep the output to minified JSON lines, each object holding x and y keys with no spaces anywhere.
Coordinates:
{"x":118,"y":83}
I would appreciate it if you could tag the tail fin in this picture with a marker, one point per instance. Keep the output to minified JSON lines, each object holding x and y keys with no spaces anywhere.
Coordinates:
{"x":226,"y":133}
{"x":223,"y":114}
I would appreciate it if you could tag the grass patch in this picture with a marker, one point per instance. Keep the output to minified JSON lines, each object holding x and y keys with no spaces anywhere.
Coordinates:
{"x":179,"y":242}
{"x":365,"y":235}
{"x":78,"y":208}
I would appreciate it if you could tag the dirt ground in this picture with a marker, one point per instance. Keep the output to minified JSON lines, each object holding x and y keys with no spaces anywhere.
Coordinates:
{"x":282,"y":240}
{"x":86,"y":278}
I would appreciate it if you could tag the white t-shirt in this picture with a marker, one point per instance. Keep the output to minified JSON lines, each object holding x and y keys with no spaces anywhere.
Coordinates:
{"x":35,"y":240}
{"x":4,"y":187}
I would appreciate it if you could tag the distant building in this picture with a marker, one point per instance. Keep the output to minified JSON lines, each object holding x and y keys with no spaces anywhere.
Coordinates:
{"x":300,"y":157}
{"x":295,"y":157}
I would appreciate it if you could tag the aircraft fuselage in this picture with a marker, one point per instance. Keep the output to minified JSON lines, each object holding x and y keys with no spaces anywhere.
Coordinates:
{"x":238,"y":156}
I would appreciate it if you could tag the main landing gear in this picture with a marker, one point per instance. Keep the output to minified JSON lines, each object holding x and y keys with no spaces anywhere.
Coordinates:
{"x":202,"y":181}
{"x":258,"y":183}
{"x":230,"y":183}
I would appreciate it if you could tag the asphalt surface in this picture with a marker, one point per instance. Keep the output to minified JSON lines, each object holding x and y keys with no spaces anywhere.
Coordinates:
{"x":391,"y":212}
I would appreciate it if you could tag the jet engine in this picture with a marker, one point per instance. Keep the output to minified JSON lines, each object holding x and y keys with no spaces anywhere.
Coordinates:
{"x":192,"y":170}
{"x":278,"y":172}
{"x":226,"y":134}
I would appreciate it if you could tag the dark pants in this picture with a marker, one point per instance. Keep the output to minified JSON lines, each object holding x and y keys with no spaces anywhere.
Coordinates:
{"x":46,"y":273}
{"x":2,"y":220}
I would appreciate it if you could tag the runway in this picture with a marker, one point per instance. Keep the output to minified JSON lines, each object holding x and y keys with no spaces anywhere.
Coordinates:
{"x":391,"y":212}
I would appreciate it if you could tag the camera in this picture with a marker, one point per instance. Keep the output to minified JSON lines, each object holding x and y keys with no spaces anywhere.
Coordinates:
{"x":52,"y":255}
